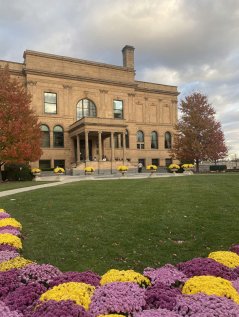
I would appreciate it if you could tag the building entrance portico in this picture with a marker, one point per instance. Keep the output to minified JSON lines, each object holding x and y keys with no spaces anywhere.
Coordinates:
{"x":95,"y":142}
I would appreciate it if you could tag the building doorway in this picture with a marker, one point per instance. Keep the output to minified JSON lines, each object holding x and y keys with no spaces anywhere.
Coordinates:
{"x":82,"y":150}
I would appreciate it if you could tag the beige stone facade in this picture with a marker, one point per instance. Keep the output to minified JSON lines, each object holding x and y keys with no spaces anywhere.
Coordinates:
{"x":100,"y":109}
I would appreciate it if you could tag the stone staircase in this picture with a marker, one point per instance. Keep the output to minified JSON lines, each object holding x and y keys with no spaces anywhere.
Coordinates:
{"x":103,"y":167}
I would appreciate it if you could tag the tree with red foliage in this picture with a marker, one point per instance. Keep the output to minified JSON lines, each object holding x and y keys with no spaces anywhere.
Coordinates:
{"x":20,"y":134}
{"x":199,"y":136}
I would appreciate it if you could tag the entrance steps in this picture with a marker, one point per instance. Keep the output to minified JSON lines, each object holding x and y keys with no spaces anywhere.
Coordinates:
{"x":102,"y":167}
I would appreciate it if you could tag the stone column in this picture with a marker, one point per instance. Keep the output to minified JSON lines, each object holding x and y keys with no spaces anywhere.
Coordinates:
{"x":86,"y":146}
{"x":119,"y":140}
{"x":78,"y":148}
{"x":124,"y":147}
{"x":112,"y":147}
{"x":100,"y":145}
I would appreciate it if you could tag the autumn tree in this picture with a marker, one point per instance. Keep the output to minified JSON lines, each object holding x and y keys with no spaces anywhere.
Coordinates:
{"x":199,"y":135}
{"x":20,"y":133}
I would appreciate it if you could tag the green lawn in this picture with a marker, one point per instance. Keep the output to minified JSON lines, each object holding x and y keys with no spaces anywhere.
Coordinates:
{"x":13,"y":185}
{"x":128,"y":223}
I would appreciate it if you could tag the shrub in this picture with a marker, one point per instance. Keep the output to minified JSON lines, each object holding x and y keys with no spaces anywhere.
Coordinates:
{"x":18,"y":172}
{"x":217,"y":168}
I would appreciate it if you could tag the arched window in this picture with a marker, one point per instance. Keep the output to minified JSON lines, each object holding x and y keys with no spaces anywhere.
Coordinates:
{"x":168,"y":140}
{"x":127,"y":139}
{"x":58,"y":136}
{"x":154,"y":140}
{"x":45,"y":141}
{"x":140,"y":140}
{"x":85,"y":108}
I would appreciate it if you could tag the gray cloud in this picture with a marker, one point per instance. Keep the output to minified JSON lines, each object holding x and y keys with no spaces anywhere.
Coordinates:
{"x":189,"y":43}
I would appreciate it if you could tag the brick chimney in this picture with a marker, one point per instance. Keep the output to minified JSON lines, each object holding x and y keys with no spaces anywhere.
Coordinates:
{"x":128,"y":56}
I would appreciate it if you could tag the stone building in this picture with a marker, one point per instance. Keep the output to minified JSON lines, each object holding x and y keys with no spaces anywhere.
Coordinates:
{"x":96,"y":114}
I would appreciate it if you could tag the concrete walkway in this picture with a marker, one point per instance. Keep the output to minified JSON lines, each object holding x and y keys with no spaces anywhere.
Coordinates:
{"x":61,"y":180}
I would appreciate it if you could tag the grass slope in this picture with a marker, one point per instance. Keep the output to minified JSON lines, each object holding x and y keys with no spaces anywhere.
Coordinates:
{"x":14,"y":185}
{"x":124,"y":224}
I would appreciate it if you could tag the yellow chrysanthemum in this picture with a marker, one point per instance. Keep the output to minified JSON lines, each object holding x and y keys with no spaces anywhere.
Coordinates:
{"x":58,"y":170}
{"x":227,"y":258}
{"x":89,"y":169}
{"x":15,"y":263}
{"x":7,"y":238}
{"x":10,"y":222}
{"x":187,"y":166}
{"x":122,"y":168}
{"x":124,"y":276}
{"x":151,"y":167}
{"x":80,"y":293}
{"x":174,"y":166}
{"x":2,"y":210}
{"x":210,"y":285}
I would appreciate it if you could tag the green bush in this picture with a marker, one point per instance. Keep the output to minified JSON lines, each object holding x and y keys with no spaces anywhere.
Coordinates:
{"x":18,"y":172}
{"x":217,"y":168}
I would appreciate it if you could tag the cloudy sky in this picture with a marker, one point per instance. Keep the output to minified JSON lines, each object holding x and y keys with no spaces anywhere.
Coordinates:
{"x":189,"y":43}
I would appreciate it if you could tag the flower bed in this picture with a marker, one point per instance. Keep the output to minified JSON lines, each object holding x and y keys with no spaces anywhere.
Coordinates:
{"x":199,"y":287}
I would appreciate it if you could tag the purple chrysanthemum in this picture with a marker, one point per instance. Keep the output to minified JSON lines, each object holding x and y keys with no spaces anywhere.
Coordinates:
{"x":7,"y":255}
{"x":87,"y":277}
{"x":4,"y":215}
{"x":8,"y":282}
{"x":156,"y":313}
{"x":168,"y":275}
{"x":11,"y":230}
{"x":161,"y":296}
{"x":234,"y":248}
{"x":201,"y":305}
{"x":8,"y":227}
{"x":58,"y":309}
{"x":117,"y":297}
{"x":24,"y":297}
{"x":7,"y":247}
{"x":236,"y":272}
{"x":236,"y":284}
{"x":6,"y":312}
{"x":43,"y":273}
{"x":206,"y":266}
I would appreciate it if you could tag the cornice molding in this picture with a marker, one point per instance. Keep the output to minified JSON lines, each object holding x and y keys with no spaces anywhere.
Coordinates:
{"x":29,"y":71}
{"x":134,"y":85}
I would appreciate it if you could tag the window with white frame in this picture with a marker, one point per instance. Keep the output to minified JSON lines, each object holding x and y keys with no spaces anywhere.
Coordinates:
{"x":50,"y":102}
{"x":118,"y":109}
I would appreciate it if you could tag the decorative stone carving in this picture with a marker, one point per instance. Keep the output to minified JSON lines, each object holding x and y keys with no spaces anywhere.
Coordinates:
{"x":67,"y":86}
{"x":31,"y":83}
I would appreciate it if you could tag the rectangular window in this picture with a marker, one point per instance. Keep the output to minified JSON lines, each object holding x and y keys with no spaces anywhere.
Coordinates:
{"x":118,"y":109}
{"x":140,"y":146}
{"x":50,"y":102}
{"x":168,"y":161}
{"x":59,"y":163}
{"x":45,"y":165}
{"x":155,"y":162}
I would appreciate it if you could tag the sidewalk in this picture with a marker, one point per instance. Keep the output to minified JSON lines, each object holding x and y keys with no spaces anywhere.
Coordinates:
{"x":64,"y":179}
